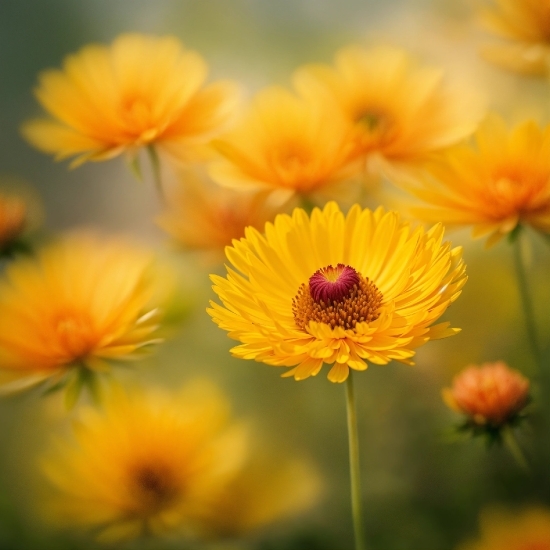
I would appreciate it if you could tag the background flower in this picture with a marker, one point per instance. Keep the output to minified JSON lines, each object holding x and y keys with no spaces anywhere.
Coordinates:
{"x":82,"y":302}
{"x":168,"y":459}
{"x":141,"y":90}
{"x":495,"y":184}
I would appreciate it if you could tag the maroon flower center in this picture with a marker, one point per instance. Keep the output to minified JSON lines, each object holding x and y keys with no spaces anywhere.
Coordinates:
{"x":332,"y":283}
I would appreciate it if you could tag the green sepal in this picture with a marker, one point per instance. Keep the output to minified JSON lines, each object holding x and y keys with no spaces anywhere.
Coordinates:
{"x":134,"y":164}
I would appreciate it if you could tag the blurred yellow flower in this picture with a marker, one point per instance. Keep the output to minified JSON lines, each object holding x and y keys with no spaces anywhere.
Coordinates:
{"x":506,"y":530}
{"x":13,"y":219}
{"x":201,"y":215}
{"x":490,"y":394}
{"x":78,"y":304}
{"x":501,"y":181}
{"x":398,"y":111}
{"x":265,"y":490}
{"x":148,"y":464}
{"x":524,"y":26}
{"x":141,"y":90}
{"x":335,"y":289}
{"x":286,"y":144}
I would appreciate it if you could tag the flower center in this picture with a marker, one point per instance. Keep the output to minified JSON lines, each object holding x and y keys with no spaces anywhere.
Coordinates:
{"x":337,"y":296}
{"x":75,"y":335}
{"x":153,"y":488}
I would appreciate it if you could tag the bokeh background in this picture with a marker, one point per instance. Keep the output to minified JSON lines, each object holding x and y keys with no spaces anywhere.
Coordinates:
{"x":423,"y":489}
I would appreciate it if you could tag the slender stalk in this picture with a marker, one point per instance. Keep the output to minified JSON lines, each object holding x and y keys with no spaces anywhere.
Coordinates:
{"x":527,"y":303}
{"x":513,"y":446}
{"x":355,"y":471}
{"x":155,"y":168}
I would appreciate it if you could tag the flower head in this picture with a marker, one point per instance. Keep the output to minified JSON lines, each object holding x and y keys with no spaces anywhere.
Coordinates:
{"x":80,"y":303}
{"x":528,"y":529}
{"x":149,"y":463}
{"x":203,"y":216}
{"x":398,"y":112}
{"x":524,"y":26}
{"x":335,"y":289}
{"x":286,"y":144}
{"x":141,"y":90}
{"x":491,"y":394}
{"x":13,"y":219}
{"x":495,"y":184}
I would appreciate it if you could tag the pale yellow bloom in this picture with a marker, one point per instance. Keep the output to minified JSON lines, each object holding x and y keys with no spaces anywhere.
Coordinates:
{"x":398,"y":111}
{"x":335,"y":289}
{"x":528,"y":529}
{"x":141,"y":90}
{"x":81,"y":302}
{"x":288,"y":145}
{"x":149,"y":463}
{"x":524,"y":26}
{"x":267,"y":489}
{"x":493,"y":185}
{"x":492,"y":393}
{"x":203,"y":216}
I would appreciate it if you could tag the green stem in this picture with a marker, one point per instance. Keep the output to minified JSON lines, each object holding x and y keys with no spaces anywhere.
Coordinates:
{"x":513,"y":446}
{"x":355,"y":471}
{"x":526,"y":301}
{"x":155,"y":168}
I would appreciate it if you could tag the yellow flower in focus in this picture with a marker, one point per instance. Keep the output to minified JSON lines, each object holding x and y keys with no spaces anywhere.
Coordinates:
{"x":265,"y":490}
{"x":490,"y":394}
{"x":288,"y":145}
{"x":398,"y":111}
{"x":148,"y":464}
{"x":507,"y":530}
{"x":335,"y":289}
{"x":201,"y":215}
{"x":501,"y":181}
{"x":141,"y":90}
{"x":79,"y":303}
{"x":524,"y":26}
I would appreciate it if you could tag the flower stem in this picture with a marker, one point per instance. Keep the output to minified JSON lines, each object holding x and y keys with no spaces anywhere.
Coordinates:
{"x":355,"y":471}
{"x":513,"y":446}
{"x":155,"y":168}
{"x":527,"y":303}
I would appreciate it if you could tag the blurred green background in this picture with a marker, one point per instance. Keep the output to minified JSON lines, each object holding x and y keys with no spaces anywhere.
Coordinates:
{"x":421,"y":491}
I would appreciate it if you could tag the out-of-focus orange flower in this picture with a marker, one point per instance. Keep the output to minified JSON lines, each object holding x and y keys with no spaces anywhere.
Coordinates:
{"x":489,"y":394}
{"x":524,"y":26}
{"x":141,"y":90}
{"x":398,"y":111}
{"x":501,"y":181}
{"x":288,"y":145}
{"x":13,"y":219}
{"x":507,"y":530}
{"x":74,"y":307}
{"x":201,"y":215}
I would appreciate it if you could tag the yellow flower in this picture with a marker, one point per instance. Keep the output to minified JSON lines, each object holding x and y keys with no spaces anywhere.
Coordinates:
{"x":507,"y":530}
{"x":494,"y":186}
{"x":524,"y":26}
{"x":265,"y":490}
{"x":148,"y":464}
{"x":398,"y":111}
{"x":335,"y":289}
{"x":141,"y":90}
{"x":80,"y":303}
{"x":490,"y":394}
{"x":201,"y":215}
{"x":286,"y":144}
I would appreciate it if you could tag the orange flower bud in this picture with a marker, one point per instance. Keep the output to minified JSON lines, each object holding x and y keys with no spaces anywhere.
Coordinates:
{"x":13,"y":218}
{"x":489,"y":394}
